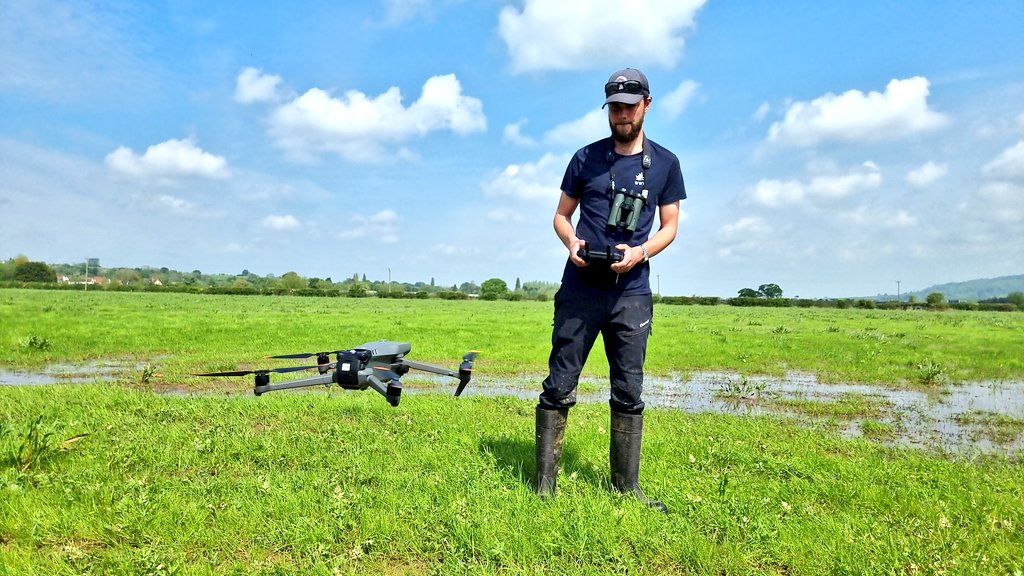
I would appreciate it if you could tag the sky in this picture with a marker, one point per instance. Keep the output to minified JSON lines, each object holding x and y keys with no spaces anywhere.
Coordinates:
{"x":832,"y":148}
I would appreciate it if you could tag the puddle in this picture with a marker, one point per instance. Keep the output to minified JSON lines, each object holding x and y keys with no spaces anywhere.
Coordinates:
{"x":928,"y":419}
{"x":955,"y":419}
{"x":99,"y":370}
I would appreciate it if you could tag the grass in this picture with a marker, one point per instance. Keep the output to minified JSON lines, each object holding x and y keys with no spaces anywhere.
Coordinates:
{"x":180,"y":333}
{"x":119,"y":479}
{"x":992,"y":425}
{"x":340,"y":483}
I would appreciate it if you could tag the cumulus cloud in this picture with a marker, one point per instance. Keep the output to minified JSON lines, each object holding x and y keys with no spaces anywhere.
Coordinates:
{"x":742,"y":236}
{"x":927,"y":174}
{"x":583,"y":34}
{"x":255,"y":86}
{"x":677,"y":100}
{"x":514,"y":133}
{"x":540,"y":180}
{"x":826,"y":188}
{"x":168,"y":160}
{"x":281,"y":223}
{"x":1009,"y":163}
{"x":176,"y":204}
{"x":382,"y":226}
{"x":855,"y":116}
{"x":359,"y":127}
{"x":593,"y":126}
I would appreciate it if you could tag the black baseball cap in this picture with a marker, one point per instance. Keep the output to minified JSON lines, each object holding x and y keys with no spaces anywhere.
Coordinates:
{"x":627,"y":86}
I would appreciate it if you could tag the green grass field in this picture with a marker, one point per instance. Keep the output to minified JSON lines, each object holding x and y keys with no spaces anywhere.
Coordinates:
{"x":118,"y":478}
{"x":180,"y":333}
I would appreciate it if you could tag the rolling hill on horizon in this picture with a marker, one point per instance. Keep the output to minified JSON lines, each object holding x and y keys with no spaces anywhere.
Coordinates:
{"x":969,"y":290}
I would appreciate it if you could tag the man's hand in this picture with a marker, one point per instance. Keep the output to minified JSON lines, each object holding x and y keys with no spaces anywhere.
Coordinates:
{"x":631,"y":256}
{"x":575,"y":245}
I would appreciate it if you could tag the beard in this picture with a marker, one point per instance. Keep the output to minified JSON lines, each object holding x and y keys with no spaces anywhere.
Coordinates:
{"x":627,"y":132}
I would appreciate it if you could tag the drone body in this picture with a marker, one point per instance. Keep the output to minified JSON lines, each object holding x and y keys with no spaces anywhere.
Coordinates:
{"x":378,"y":365}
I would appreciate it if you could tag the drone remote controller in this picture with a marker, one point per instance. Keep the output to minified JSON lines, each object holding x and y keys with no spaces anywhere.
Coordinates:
{"x":608,"y":255}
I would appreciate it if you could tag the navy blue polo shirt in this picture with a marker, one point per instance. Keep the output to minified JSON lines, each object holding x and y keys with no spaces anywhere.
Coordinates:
{"x":587,"y":178}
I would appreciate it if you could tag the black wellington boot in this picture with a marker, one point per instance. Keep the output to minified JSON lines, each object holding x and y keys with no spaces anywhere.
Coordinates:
{"x":627,"y":435}
{"x":550,"y":432}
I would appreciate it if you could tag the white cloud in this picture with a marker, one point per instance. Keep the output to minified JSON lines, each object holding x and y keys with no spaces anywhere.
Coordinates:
{"x":583,"y":34}
{"x":540,"y":180}
{"x":1009,"y":163}
{"x":255,"y":86}
{"x":504,"y":215}
{"x":513,"y":133}
{"x":677,"y":100}
{"x":772,"y":193}
{"x":854,"y":116}
{"x":1004,"y":201}
{"x":358,"y":127}
{"x":593,"y":126}
{"x":281,"y":223}
{"x":901,"y":219}
{"x":176,"y":204}
{"x":382,"y":226}
{"x":399,"y":11}
{"x":927,"y":174}
{"x":742,"y":236}
{"x":762,"y":112}
{"x":168,"y":160}
{"x":828,"y":188}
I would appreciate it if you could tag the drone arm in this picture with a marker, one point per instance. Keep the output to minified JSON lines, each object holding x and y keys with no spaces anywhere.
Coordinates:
{"x":300,"y":383}
{"x":430,"y":368}
{"x":392,"y":391}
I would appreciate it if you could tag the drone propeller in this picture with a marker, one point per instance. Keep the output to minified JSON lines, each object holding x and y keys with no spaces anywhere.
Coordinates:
{"x":465,"y":371}
{"x":264,"y":371}
{"x":305,"y":354}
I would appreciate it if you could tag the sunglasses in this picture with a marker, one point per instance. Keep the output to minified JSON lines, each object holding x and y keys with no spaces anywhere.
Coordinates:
{"x":629,"y":87}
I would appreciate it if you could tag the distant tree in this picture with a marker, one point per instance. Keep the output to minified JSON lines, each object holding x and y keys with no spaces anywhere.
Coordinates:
{"x":126,"y":276}
{"x":357,"y":290}
{"x":1016,"y":298}
{"x":749,"y":293}
{"x":770,"y":290}
{"x":493,"y":289}
{"x":34,"y":272}
{"x":469,"y":288}
{"x":291,"y":281}
{"x":935,"y":299}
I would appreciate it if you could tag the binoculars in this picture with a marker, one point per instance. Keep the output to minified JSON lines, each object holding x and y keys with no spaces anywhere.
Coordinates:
{"x":626,"y":207}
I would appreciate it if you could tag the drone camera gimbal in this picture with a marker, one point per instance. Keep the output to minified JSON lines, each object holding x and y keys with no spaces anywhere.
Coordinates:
{"x":378,"y":365}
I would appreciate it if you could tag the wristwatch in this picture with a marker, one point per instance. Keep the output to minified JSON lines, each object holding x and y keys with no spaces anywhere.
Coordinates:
{"x":646,"y":255}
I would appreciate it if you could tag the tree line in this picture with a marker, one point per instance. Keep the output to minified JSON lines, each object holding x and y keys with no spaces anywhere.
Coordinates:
{"x":22,"y":272}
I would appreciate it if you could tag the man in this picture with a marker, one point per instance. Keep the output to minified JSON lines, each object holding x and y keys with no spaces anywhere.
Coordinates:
{"x":618,"y":184}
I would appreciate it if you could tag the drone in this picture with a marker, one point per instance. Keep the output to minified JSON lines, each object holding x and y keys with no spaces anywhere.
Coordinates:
{"x":378,"y":365}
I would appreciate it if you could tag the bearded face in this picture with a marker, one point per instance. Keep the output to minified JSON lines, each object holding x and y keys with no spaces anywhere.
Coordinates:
{"x":626,"y":122}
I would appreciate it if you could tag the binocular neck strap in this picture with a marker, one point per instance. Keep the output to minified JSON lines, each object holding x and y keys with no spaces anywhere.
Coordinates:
{"x":645,"y":163}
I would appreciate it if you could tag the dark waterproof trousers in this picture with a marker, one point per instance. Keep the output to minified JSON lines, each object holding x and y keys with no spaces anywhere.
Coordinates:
{"x":624,"y":323}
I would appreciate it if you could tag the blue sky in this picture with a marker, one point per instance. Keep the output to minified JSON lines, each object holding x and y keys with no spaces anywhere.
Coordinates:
{"x":832,"y":148}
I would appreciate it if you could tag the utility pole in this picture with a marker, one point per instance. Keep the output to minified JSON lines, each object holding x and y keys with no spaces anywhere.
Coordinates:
{"x":86,"y":282}
{"x":897,"y":291}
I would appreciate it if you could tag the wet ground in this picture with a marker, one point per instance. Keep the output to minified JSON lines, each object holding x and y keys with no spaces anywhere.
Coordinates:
{"x":966,"y":418}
